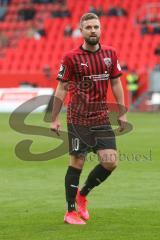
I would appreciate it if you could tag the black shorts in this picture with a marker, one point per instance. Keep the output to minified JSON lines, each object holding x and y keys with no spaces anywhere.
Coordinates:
{"x":84,"y":139}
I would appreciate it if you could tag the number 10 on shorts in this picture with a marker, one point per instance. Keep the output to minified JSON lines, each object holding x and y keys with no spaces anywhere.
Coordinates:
{"x":75,"y":144}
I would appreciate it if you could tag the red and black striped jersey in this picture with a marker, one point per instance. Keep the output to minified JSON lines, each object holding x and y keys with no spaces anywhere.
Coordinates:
{"x":87,"y":74}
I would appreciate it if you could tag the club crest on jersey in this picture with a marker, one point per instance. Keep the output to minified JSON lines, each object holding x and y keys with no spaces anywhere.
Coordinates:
{"x":108,"y":62}
{"x":61,"y":71}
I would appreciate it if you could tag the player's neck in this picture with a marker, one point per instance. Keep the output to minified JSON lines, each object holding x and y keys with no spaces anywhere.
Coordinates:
{"x":91,"y":48}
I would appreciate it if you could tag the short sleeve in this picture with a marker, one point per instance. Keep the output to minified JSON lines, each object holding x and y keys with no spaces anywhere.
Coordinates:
{"x":65,"y":71}
{"x":116,"y":68}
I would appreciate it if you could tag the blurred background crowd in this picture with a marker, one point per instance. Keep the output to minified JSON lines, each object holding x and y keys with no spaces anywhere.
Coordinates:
{"x":35,"y":34}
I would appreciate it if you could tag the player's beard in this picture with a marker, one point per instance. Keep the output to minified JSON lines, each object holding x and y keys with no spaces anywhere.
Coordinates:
{"x":92,"y":41}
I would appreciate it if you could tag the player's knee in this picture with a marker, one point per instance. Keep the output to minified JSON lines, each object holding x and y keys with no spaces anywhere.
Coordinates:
{"x":109,"y":159}
{"x":110,"y":165}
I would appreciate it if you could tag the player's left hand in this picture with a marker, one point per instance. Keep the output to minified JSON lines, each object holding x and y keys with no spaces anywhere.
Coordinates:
{"x":122,"y":121}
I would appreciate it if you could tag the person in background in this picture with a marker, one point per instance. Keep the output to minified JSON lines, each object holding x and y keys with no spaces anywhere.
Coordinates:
{"x":124,"y":67}
{"x":4,"y":2}
{"x":26,"y":12}
{"x":157,"y":53}
{"x":47,"y":71}
{"x":4,"y":40}
{"x":61,"y":11}
{"x":156,"y":28}
{"x":76,"y":33}
{"x":156,"y":67}
{"x":144,"y":29}
{"x":62,"y":2}
{"x":43,"y":1}
{"x":68,"y":31}
{"x":31,"y":31}
{"x":116,"y":11}
{"x":40,"y":32}
{"x":37,"y":30}
{"x":157,"y":50}
{"x":98,"y":11}
{"x":3,"y":10}
{"x":132,"y":84}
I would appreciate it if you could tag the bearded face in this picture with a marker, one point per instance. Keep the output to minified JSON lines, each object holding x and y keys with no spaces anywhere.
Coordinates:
{"x":91,"y":31}
{"x":92,"y":40}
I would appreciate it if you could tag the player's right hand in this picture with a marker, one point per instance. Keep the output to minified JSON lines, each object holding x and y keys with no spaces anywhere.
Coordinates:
{"x":55,"y":127}
{"x":122,"y":121}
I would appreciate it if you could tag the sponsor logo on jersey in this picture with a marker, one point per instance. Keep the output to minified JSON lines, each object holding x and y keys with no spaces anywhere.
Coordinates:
{"x":99,"y":77}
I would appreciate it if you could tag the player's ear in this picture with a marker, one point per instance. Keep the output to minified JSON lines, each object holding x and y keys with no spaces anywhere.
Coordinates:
{"x":80,"y":28}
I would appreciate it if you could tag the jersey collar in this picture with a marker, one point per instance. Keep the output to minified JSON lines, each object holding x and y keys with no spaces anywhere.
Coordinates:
{"x":90,"y":51}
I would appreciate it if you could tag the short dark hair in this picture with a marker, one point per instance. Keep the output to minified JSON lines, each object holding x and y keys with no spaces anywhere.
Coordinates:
{"x":88,"y":16}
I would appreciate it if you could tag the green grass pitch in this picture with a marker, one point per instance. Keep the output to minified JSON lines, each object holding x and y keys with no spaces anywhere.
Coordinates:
{"x":126,"y":206}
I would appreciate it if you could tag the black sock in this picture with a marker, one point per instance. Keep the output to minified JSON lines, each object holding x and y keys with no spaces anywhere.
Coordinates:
{"x":96,"y":176}
{"x":71,"y":186}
